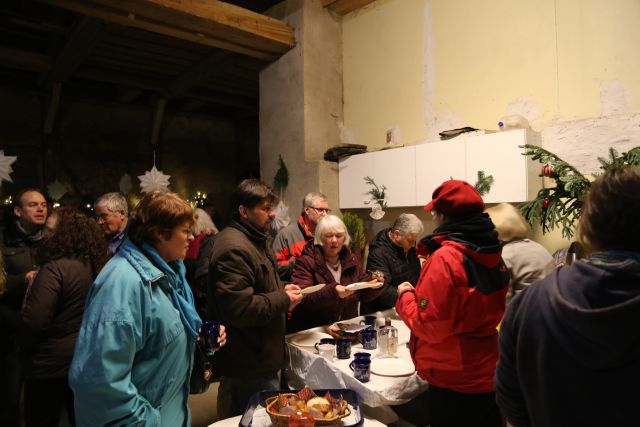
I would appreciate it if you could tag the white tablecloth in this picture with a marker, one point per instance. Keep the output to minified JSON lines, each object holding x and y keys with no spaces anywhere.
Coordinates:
{"x":305,"y":367}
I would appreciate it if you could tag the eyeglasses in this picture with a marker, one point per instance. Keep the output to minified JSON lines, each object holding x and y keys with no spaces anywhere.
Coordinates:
{"x":321,"y":210}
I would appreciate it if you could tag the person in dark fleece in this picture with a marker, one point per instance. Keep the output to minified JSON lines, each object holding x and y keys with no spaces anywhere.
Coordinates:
{"x":570,"y":343}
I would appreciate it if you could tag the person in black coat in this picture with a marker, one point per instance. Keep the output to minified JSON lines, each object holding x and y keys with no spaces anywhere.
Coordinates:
{"x":52,"y":313}
{"x":23,"y":234}
{"x":569,"y":343}
{"x":393,"y":252}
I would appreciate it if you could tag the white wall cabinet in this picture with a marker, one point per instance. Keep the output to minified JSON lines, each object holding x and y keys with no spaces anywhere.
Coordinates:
{"x":498,"y":154}
{"x":394,"y":168}
{"x":437,"y":162}
{"x":412,"y":173}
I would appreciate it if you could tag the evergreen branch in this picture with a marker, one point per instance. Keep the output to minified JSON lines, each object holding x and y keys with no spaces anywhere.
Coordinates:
{"x":377,"y":193}
{"x":484,"y":183}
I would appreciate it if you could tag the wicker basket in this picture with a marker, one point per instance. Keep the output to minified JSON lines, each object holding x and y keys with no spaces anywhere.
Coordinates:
{"x":283,"y":420}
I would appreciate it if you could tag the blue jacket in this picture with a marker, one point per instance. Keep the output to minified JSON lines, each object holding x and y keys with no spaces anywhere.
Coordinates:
{"x":133,"y":357}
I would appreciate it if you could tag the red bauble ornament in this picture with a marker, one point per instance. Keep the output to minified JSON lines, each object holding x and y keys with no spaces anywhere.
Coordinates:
{"x":546,"y":203}
{"x":547,"y":170}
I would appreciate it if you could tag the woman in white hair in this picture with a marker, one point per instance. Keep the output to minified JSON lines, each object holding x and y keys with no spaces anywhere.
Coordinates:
{"x":526,"y":260}
{"x":327,"y":259}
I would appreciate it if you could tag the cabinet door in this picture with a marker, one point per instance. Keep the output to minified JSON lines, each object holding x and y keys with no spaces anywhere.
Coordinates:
{"x":499,"y":154}
{"x":437,"y":162}
{"x":394,"y":168}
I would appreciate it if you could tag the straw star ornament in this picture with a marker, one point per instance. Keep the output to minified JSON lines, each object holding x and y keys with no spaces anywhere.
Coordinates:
{"x":153,"y":180}
{"x":5,"y":167}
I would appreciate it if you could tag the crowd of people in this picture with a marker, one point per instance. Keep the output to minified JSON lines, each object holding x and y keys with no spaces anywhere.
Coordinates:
{"x":100,"y":317}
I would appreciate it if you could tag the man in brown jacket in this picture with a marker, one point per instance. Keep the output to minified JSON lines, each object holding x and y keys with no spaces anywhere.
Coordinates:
{"x":247,"y":296}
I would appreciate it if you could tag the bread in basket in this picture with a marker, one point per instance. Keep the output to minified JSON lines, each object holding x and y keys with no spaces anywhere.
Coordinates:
{"x":325,"y":410}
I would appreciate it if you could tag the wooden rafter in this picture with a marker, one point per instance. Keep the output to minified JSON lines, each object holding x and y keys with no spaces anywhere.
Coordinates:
{"x":84,"y":38}
{"x":22,"y":60}
{"x":209,"y":22}
{"x":342,"y":7}
{"x":199,"y":73}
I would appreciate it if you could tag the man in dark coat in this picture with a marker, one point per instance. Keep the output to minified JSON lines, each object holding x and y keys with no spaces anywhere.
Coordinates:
{"x":22,"y":236}
{"x":247,"y":296}
{"x":393,"y":252}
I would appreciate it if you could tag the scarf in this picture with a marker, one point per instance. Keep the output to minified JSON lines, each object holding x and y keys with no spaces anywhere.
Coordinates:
{"x":29,"y":237}
{"x":476,"y":229}
{"x":179,"y":290}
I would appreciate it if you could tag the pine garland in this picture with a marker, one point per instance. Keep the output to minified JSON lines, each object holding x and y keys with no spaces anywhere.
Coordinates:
{"x":561,"y":206}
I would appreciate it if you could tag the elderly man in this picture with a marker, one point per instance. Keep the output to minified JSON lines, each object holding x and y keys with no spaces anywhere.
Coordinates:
{"x":247,"y":296}
{"x":290,"y":241}
{"x":112,"y":214}
{"x":393,"y":252}
{"x":23,"y":235}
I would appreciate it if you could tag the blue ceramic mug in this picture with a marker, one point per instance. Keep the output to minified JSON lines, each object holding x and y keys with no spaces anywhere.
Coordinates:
{"x":369,"y":339}
{"x":369,"y":321}
{"x":210,"y":331}
{"x":361,"y":369}
{"x":343,"y":348}
{"x":362,"y":355}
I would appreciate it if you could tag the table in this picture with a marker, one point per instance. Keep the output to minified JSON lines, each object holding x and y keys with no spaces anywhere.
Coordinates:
{"x":305,"y":367}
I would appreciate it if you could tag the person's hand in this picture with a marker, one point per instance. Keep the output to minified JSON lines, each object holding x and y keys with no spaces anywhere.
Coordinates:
{"x":293,"y":292}
{"x":405,"y":286}
{"x":343,"y":292}
{"x":222,"y":336}
{"x":29,"y":276}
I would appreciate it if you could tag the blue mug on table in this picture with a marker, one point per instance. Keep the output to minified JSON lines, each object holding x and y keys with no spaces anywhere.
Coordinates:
{"x":369,"y":339}
{"x":361,"y":369}
{"x":324,"y":341}
{"x":343,"y":348}
{"x":369,"y":321}
{"x":362,"y":355}
{"x":210,"y":331}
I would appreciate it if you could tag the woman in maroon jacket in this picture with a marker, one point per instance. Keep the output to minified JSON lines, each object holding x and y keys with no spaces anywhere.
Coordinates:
{"x":52,"y":312}
{"x":327,"y":259}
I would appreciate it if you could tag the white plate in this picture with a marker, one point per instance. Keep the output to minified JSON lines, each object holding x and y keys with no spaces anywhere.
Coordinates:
{"x":308,"y":338}
{"x":392,"y":367}
{"x":362,"y":285}
{"x":312,"y":289}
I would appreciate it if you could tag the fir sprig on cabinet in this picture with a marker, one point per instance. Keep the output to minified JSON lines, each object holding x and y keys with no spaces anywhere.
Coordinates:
{"x":377,"y":192}
{"x":561,"y":205}
{"x":484,"y":183}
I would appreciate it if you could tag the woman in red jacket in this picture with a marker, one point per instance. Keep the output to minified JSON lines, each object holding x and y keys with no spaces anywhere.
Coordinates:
{"x":327,"y":259}
{"x":454,"y":310}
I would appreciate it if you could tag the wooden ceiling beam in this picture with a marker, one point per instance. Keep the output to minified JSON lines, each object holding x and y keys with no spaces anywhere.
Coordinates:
{"x":199,"y":73}
{"x":23,"y":60}
{"x":86,"y":35}
{"x":209,"y":22}
{"x":342,"y":7}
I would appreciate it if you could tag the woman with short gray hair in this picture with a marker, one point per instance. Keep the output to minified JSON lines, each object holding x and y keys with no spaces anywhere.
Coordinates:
{"x":327,"y":259}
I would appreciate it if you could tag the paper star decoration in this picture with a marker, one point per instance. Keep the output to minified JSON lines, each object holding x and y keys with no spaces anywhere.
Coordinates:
{"x":125,"y":184}
{"x":5,"y":166}
{"x":56,"y":190}
{"x":153,"y":180}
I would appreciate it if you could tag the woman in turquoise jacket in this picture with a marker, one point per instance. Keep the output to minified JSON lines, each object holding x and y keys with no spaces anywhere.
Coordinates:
{"x":135,"y":348}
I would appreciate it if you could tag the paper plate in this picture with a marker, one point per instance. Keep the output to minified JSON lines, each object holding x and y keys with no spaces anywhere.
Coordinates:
{"x":312,"y":289}
{"x":308,"y":338}
{"x":392,"y":367}
{"x":361,"y":285}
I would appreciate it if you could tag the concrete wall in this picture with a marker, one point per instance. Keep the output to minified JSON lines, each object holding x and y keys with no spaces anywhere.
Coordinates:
{"x":568,"y":66}
{"x":93,"y":145}
{"x":301,"y":103}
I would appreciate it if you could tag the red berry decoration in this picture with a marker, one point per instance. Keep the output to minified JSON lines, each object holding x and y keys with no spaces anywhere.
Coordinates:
{"x":546,"y":203}
{"x":547,"y":170}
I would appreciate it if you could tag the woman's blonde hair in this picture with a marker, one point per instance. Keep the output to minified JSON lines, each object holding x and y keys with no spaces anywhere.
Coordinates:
{"x":510,"y":224}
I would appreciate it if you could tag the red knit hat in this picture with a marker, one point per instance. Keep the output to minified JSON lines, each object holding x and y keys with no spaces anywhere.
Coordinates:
{"x":455,"y":198}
